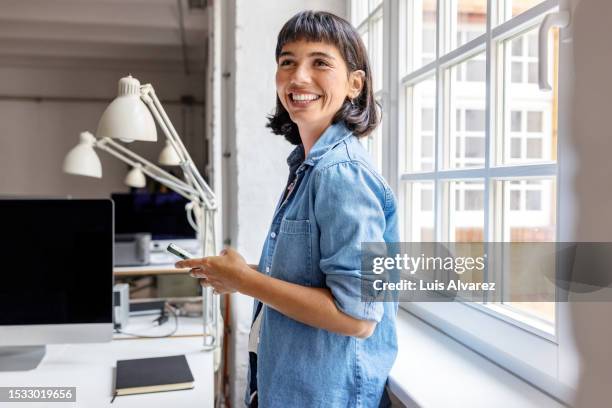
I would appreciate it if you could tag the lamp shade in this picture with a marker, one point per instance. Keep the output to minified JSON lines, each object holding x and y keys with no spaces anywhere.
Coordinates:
{"x":169,"y":156}
{"x":135,"y":178}
{"x":82,"y":159}
{"x":127,"y":117}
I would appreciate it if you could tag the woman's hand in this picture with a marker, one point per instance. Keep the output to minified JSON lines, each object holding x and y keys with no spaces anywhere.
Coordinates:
{"x":228,"y":273}
{"x":225,"y":273}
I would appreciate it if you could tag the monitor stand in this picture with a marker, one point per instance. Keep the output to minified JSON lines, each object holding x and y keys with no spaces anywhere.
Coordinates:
{"x":21,"y":358}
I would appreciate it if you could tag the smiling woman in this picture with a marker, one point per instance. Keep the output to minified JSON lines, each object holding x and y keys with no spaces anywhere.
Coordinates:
{"x":332,"y":68}
{"x":314,"y":342}
{"x":313,"y":83}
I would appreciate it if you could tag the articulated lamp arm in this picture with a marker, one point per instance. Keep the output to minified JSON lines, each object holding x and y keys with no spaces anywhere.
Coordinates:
{"x":187,"y":164}
{"x":150,"y":169}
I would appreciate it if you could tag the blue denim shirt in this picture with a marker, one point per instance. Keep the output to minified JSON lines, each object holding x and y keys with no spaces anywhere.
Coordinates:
{"x":338,"y":202}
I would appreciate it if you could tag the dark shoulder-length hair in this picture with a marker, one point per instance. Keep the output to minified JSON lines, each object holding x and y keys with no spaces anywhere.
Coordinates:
{"x":361,"y":115}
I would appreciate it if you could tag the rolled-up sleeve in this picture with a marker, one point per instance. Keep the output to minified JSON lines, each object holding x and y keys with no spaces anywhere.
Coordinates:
{"x":349,"y":209}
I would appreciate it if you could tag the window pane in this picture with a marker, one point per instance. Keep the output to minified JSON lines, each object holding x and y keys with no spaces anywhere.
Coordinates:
{"x":529,"y":131}
{"x":532,"y":72}
{"x":517,"y":72}
{"x":427,"y":119}
{"x":516,"y":118}
{"x":429,"y":40}
{"x":475,"y":120}
{"x":515,"y":148}
{"x":420,"y":44}
{"x":533,"y":201}
{"x":517,"y":47}
{"x":359,"y":11}
{"x":474,"y":147}
{"x":465,"y":139}
{"x":476,"y":71}
{"x":427,"y":150}
{"x":427,"y":200}
{"x":420,"y":211}
{"x":532,"y":41}
{"x":534,"y":148}
{"x":516,"y":7}
{"x":515,"y":200}
{"x":534,"y":121}
{"x":374,"y":4}
{"x":376,"y":50}
{"x":420,"y":138}
{"x":470,"y":20}
{"x":365,"y":37}
{"x":373,"y":144}
{"x":529,"y":215}
{"x":466,"y":216}
{"x":473,"y":200}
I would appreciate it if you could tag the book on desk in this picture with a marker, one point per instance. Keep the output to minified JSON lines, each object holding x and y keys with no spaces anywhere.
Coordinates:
{"x":146,"y":375}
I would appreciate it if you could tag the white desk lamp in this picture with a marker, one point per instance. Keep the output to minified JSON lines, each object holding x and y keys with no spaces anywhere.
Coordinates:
{"x":128,"y":119}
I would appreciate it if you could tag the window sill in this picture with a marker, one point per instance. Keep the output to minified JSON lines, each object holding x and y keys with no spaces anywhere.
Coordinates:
{"x":433,"y":370}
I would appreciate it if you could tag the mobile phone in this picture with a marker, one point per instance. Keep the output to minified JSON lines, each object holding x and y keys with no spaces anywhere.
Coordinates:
{"x":178,"y":251}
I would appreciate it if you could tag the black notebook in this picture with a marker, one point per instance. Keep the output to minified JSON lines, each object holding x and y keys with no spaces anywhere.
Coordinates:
{"x":153,"y":375}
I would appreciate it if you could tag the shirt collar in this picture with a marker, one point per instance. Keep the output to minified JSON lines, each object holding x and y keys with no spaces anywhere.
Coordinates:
{"x":296,"y":157}
{"x":332,"y":136}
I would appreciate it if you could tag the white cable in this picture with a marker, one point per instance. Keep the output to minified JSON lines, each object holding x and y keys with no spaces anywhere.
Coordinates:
{"x":189,"y":209}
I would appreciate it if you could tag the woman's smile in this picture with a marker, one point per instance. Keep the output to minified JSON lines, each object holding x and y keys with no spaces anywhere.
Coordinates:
{"x":303,"y":99}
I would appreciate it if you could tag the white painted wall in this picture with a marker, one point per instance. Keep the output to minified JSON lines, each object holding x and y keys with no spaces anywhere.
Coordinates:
{"x":36,"y":134}
{"x":257,"y":169}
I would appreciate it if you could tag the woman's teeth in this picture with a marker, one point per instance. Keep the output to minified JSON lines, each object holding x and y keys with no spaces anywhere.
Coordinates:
{"x":304,"y":97}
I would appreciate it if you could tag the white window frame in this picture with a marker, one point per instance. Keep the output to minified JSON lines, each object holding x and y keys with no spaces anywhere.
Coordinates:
{"x":373,"y":142}
{"x":543,"y":358}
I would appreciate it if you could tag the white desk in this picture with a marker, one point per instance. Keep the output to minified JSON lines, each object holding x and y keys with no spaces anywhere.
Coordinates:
{"x":91,"y":369}
{"x":148,"y":270}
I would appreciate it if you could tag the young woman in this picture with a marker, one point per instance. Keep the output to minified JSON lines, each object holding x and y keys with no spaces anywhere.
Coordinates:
{"x":314,"y":342}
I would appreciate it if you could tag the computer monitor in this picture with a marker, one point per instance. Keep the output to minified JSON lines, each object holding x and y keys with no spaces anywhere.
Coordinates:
{"x":162,"y":215}
{"x":57,"y":275}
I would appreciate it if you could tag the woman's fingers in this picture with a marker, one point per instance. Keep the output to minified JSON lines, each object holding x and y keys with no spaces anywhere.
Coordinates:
{"x":199,"y":273}
{"x":218,"y":287}
{"x":192,"y":263}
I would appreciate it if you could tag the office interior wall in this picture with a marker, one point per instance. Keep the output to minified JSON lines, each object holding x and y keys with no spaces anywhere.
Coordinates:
{"x":44,"y":108}
{"x":256,"y":166}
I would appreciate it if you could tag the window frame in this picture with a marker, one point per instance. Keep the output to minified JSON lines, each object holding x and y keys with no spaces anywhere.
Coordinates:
{"x":373,"y":142}
{"x":525,"y":347}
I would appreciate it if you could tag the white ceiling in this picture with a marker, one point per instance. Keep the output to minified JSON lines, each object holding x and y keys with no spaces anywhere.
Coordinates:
{"x":103,"y":33}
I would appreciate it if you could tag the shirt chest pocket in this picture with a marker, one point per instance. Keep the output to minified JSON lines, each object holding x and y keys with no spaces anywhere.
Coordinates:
{"x":292,"y":260}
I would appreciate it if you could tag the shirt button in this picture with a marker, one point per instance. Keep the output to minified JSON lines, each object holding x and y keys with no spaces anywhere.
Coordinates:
{"x":267,"y":269}
{"x":273,"y":235}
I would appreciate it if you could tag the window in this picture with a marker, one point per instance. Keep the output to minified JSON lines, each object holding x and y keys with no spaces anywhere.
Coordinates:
{"x":367,"y":16}
{"x":472,"y":155}
{"x":461,"y":88}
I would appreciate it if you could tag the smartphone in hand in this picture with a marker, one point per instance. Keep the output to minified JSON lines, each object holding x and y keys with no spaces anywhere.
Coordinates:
{"x":179,"y":252}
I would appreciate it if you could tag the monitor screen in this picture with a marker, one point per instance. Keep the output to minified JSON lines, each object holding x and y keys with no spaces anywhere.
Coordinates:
{"x":57,"y":261}
{"x":162,"y":215}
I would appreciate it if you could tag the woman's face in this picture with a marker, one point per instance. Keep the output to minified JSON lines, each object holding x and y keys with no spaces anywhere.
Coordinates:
{"x":312,"y":82}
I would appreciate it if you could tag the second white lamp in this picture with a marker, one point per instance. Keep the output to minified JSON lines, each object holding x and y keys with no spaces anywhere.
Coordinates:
{"x":83,"y":159}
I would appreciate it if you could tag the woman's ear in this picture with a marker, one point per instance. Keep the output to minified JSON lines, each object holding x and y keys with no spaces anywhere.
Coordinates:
{"x":355,"y":83}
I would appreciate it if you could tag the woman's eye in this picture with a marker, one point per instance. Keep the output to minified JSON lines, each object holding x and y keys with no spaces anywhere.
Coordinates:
{"x":284,"y":63}
{"x":321,"y":63}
